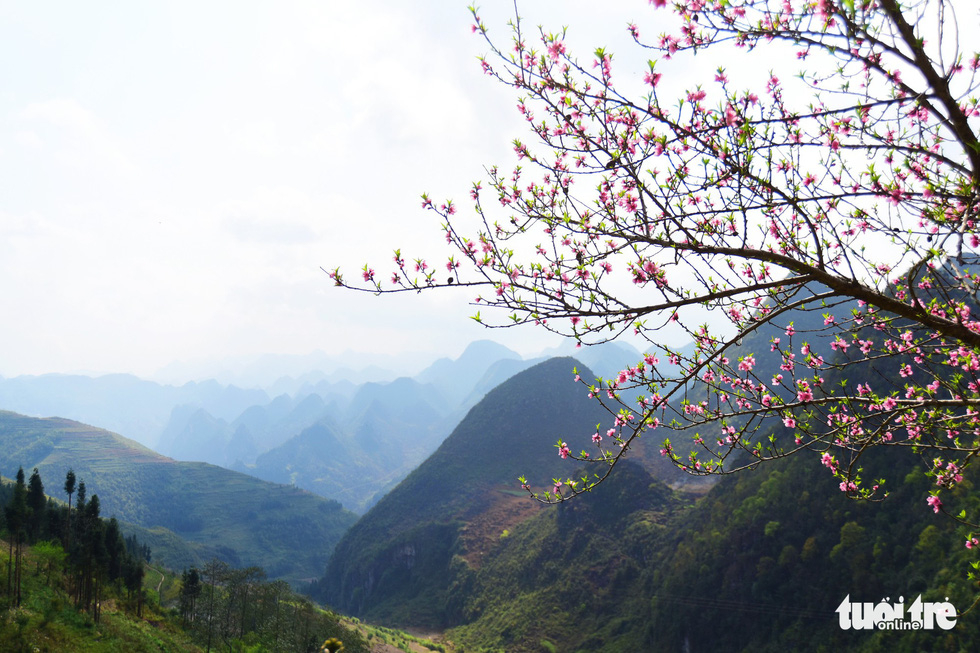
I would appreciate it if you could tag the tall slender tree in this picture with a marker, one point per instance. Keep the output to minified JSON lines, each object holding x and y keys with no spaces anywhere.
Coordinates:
{"x":69,"y":490}
{"x":36,"y":502}
{"x":249,"y":578}
{"x":76,"y":552}
{"x":190,"y":589}
{"x":94,"y":556}
{"x":214,"y":572}
{"x":16,"y":514}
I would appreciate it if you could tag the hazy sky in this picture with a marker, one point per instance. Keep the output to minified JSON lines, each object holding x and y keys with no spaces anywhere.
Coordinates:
{"x":173,"y":175}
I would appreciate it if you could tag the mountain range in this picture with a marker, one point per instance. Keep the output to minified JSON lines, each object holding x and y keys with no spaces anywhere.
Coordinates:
{"x":756,"y":562}
{"x":187,"y":512}
{"x":760,"y":562}
{"x":405,"y":559}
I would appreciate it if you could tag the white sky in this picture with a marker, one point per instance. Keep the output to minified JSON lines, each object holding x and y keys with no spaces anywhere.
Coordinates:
{"x":173,"y":175}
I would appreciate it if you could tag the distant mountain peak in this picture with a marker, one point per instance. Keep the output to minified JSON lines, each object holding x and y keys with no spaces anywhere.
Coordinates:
{"x":487,"y":348}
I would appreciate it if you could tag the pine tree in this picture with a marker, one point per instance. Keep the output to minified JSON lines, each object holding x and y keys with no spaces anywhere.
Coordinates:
{"x":189,"y":591}
{"x":17,"y":514}
{"x":249,"y":578}
{"x":36,"y":502}
{"x":80,"y":506}
{"x":76,"y":551}
{"x":69,"y":490}
{"x":214,"y":572}
{"x":95,"y":556}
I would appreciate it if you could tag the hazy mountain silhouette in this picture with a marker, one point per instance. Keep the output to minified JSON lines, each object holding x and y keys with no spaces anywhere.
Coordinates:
{"x":134,"y":407}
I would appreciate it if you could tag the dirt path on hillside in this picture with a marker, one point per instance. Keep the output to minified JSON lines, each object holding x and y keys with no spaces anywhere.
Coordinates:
{"x":485,"y":530}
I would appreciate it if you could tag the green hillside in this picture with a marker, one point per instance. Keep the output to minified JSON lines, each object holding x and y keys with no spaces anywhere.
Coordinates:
{"x":405,"y":562}
{"x":48,"y":620}
{"x":74,"y":583}
{"x":572,"y":576}
{"x":238,"y":518}
{"x":759,"y":563}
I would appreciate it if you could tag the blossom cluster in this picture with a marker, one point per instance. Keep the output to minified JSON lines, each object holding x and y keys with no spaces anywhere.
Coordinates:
{"x":836,"y":214}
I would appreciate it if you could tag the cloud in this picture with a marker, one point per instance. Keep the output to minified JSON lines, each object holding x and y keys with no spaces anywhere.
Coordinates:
{"x":175,"y":174}
{"x":274,"y":216}
{"x":269,"y":231}
{"x":74,"y":136}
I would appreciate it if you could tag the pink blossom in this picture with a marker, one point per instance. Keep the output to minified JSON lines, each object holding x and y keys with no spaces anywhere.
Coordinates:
{"x":824,"y":11}
{"x":652,"y":78}
{"x":563,"y":450}
{"x":935,"y":502}
{"x":556,"y":49}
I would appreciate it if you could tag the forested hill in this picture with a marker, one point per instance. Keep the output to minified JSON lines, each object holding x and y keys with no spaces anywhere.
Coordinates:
{"x":759,"y":564}
{"x":235,"y":517}
{"x":405,"y":560}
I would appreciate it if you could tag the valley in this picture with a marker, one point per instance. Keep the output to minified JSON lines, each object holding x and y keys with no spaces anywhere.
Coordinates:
{"x":532,"y":327}
{"x":453,"y":545}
